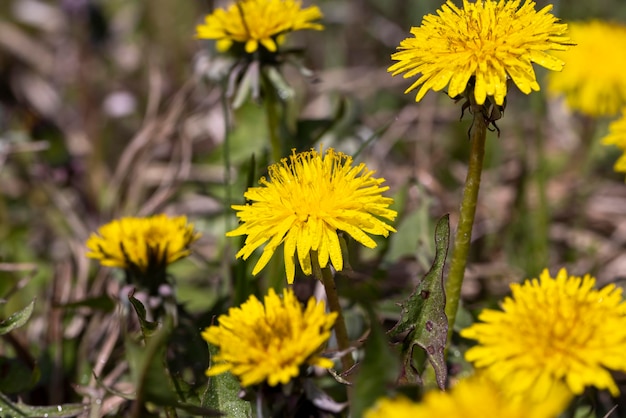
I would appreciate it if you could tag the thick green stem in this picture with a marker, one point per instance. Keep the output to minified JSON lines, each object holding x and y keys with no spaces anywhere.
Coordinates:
{"x":341,"y":332}
{"x":271,"y":102}
{"x":463,"y":237}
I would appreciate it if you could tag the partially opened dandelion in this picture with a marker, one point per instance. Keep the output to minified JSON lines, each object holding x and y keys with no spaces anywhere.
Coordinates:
{"x":617,"y":137}
{"x":474,"y":51}
{"x":550,"y":331}
{"x":271,"y":342}
{"x":254,"y":23}
{"x":473,"y":397}
{"x":144,"y":247}
{"x":593,"y":81}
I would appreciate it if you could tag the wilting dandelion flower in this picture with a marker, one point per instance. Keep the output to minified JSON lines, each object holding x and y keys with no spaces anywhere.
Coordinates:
{"x":270,"y":341}
{"x":550,"y":331}
{"x":142,"y":244}
{"x":593,"y":80}
{"x":486,"y":41}
{"x":474,"y":397}
{"x":617,"y":137}
{"x":254,"y":22}
{"x":308,"y":199}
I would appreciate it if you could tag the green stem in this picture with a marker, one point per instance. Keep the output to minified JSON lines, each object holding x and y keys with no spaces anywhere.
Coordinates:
{"x":341,"y":332}
{"x":271,"y":101}
{"x":463,"y":236}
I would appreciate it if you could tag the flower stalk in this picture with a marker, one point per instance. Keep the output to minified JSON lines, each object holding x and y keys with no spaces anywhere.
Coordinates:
{"x":463,"y":237}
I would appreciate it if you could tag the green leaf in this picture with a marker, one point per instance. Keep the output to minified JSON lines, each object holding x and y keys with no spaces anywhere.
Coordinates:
{"x":17,"y":319}
{"x":16,"y":377}
{"x":19,"y":410}
{"x":378,"y":370}
{"x":423,"y":315}
{"x":223,"y":394}
{"x":102,"y":303}
{"x":148,"y":328}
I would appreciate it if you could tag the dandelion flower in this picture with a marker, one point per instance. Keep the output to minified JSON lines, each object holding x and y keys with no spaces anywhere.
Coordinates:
{"x":474,"y":397}
{"x":550,"y":331}
{"x":488,"y":41}
{"x":307,"y":200}
{"x":617,"y":137}
{"x":593,"y":80}
{"x":270,"y":341}
{"x":142,"y":244}
{"x":254,"y":22}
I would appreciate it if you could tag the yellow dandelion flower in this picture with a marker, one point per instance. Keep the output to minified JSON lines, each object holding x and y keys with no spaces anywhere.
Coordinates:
{"x":550,"y":331}
{"x":488,"y":41}
{"x":254,"y":22}
{"x":307,"y":200}
{"x":617,"y":137}
{"x":593,"y":81}
{"x":474,"y":397}
{"x":270,"y":342}
{"x":142,"y":244}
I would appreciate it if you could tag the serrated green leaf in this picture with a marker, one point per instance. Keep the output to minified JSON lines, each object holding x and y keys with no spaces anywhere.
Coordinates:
{"x":223,"y":394}
{"x":148,"y":328}
{"x":20,"y":410}
{"x":18,"y":319}
{"x":377,"y":372}
{"x":423,"y":315}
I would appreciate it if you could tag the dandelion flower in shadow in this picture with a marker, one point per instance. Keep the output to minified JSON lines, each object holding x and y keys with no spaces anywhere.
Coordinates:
{"x":270,"y":341}
{"x":550,"y":331}
{"x":593,"y":80}
{"x":473,"y":397}
{"x":617,"y":137}
{"x":306,"y":202}
{"x":142,"y":245}
{"x":481,"y":45}
{"x":253,"y":22}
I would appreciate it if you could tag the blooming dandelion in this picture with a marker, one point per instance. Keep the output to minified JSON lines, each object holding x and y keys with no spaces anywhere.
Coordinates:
{"x":474,"y":397}
{"x":593,"y":81}
{"x":253,"y":22}
{"x":270,"y":341}
{"x":142,"y":244}
{"x":306,"y":202}
{"x":486,"y":41}
{"x":617,"y":137}
{"x":550,"y":331}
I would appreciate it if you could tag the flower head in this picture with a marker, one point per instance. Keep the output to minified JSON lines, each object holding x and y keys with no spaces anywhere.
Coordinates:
{"x":142,"y":244}
{"x":617,"y":137}
{"x":487,"y":40}
{"x":550,"y":331}
{"x":593,"y":81}
{"x":254,"y":22}
{"x":269,"y":342}
{"x":474,"y":397}
{"x":307,"y":200}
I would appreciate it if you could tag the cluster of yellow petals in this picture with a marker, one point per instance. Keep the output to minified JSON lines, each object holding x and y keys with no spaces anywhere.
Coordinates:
{"x":473,"y":397}
{"x":254,"y":22}
{"x":593,"y":80}
{"x":550,"y":331}
{"x":617,"y":137}
{"x":139,"y":242}
{"x":270,"y":341}
{"x":488,"y":40}
{"x":308,"y":199}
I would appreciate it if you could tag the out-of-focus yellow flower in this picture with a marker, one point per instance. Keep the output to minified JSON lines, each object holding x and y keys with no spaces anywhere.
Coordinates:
{"x":593,"y":80}
{"x":486,"y":41}
{"x":617,"y":137}
{"x":254,"y":22}
{"x":474,"y":397}
{"x":270,"y":341}
{"x":550,"y":331}
{"x":142,"y":244}
{"x":308,"y":199}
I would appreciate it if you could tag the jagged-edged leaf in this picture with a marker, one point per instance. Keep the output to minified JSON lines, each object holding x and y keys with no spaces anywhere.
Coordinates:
{"x":18,"y":319}
{"x":222,"y":393}
{"x":423,"y":317}
{"x":378,"y":370}
{"x":20,"y":410}
{"x":148,"y":328}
